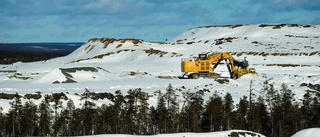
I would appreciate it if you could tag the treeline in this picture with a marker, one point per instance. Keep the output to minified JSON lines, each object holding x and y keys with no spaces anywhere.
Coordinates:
{"x":275,"y":113}
{"x":12,"y":56}
{"x":30,"y":52}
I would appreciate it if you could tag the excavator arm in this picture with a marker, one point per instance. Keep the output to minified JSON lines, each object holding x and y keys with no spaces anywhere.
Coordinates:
{"x":216,"y":58}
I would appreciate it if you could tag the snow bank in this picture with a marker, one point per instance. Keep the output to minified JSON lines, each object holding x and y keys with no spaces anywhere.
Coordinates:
{"x":51,"y":77}
{"x":241,"y":133}
{"x":59,"y":75}
{"x":310,"y":132}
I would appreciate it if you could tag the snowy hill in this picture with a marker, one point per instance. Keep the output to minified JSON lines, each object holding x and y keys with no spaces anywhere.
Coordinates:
{"x":267,"y":47}
{"x":284,"y":53}
{"x":257,"y":38}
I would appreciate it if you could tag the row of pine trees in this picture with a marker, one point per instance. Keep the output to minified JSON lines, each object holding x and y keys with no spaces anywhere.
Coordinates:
{"x":274,"y":113}
{"x":12,"y":56}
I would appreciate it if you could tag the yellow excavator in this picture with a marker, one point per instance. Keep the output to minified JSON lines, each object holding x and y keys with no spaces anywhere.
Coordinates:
{"x":205,"y":64}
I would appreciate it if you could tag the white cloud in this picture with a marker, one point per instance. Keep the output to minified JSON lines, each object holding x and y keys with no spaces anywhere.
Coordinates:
{"x":121,"y":16}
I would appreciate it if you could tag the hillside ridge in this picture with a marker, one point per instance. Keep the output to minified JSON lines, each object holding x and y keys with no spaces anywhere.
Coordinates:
{"x":273,"y":25}
{"x":257,"y":39}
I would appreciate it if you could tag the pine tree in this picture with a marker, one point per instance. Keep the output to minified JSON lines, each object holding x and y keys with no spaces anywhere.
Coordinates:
{"x":272,"y":99}
{"x":88,"y":114}
{"x":287,"y":125}
{"x":143,"y":113}
{"x":104,"y":119}
{"x":44,"y":121}
{"x":57,"y":122}
{"x":162,"y":111}
{"x":29,"y":119}
{"x":263,"y":117}
{"x":213,"y":114}
{"x":110,"y":117}
{"x":130,"y":113}
{"x":276,"y":116}
{"x":15,"y":114}
{"x":194,"y":110}
{"x":173,"y":108}
{"x":153,"y":121}
{"x":2,"y":123}
{"x":306,"y":110}
{"x":64,"y":120}
{"x":241,"y":114}
{"x":184,"y":123}
{"x":9,"y":123}
{"x":297,"y":117}
{"x":118,"y":112}
{"x":76,"y":122}
{"x":68,"y":113}
{"x":315,"y":108}
{"x":259,"y":118}
{"x":227,"y":111}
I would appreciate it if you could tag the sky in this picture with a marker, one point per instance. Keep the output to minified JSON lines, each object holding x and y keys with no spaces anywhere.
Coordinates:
{"x":149,"y":20}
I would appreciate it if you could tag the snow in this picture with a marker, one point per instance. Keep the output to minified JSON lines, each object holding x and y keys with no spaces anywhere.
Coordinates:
{"x":129,"y":66}
{"x":54,"y":75}
{"x":310,"y":132}
{"x":209,"y":134}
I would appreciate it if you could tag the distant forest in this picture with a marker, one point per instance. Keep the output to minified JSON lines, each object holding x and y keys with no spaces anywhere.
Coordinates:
{"x":30,"y":52}
{"x":276,"y":113}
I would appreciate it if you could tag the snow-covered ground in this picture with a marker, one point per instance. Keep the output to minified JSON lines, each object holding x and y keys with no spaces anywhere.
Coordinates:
{"x":310,"y":132}
{"x":240,"y":133}
{"x":289,"y":54}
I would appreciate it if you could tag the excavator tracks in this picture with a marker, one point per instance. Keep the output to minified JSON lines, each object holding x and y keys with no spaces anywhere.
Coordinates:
{"x":200,"y":75}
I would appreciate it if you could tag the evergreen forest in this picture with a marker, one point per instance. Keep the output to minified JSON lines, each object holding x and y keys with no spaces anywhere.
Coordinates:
{"x":274,"y":113}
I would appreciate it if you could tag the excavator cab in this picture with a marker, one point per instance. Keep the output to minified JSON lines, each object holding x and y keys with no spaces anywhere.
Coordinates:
{"x":203,"y":56}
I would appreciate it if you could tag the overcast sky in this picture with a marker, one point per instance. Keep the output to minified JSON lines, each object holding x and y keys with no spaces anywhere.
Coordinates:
{"x":150,"y":20}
